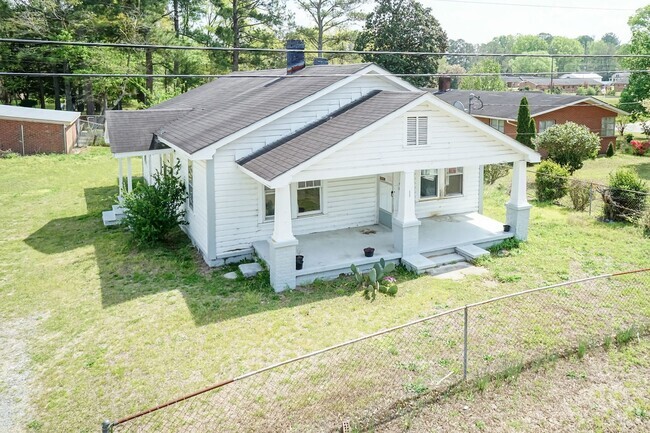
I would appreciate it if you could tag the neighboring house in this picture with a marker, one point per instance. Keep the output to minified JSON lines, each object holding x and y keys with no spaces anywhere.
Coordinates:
{"x":323,"y":161}
{"x":33,"y":130}
{"x":565,"y":85}
{"x":584,"y":76}
{"x":619,"y":81}
{"x":500,"y":110}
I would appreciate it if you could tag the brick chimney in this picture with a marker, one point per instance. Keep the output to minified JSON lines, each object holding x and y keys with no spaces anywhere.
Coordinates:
{"x":444,"y":84}
{"x":295,"y":59}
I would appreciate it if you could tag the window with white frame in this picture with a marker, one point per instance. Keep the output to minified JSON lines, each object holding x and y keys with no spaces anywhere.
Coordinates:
{"x":269,"y":203}
{"x":309,"y":196}
{"x":608,"y":127}
{"x":453,"y":181}
{"x":417,"y":130}
{"x":545,"y":124}
{"x":190,"y":184}
{"x":498,"y":124}
{"x":431,"y":187}
{"x":428,"y":183}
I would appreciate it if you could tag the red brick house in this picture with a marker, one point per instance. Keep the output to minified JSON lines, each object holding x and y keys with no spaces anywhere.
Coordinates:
{"x":29,"y":131}
{"x":500,"y":109}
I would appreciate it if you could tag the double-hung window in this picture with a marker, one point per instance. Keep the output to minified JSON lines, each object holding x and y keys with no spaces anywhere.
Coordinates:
{"x":498,"y":124}
{"x":432,"y":187}
{"x":269,"y":203}
{"x":309,"y":196}
{"x":190,"y":184}
{"x":417,"y":130}
{"x":545,"y":124}
{"x":608,"y":127}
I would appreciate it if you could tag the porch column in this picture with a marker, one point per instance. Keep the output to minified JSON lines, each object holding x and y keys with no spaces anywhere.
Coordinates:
{"x":518,"y":208}
{"x":282,"y":246}
{"x":406,"y":226}
{"x":120,"y":177}
{"x":129,"y":175}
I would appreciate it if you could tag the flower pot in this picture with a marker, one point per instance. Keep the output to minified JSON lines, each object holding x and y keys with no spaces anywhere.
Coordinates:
{"x":369,"y":252}
{"x":299,"y":260}
{"x":506,"y":228}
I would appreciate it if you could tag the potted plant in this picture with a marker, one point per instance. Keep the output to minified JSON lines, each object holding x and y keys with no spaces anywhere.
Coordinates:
{"x":369,"y":251}
{"x":506,"y":227}
{"x":299,"y":261}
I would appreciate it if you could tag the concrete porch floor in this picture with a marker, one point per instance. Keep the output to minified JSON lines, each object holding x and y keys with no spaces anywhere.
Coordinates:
{"x":328,"y":254}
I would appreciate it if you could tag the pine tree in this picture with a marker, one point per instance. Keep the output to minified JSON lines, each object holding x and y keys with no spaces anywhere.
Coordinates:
{"x":610,"y":150}
{"x":525,"y":124}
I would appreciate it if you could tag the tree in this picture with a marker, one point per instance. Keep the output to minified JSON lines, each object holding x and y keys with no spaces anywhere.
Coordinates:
{"x":455,"y":71}
{"x":621,"y":124}
{"x":330,"y":14}
{"x":638,"y":88}
{"x":568,"y":144}
{"x":529,"y":65}
{"x":492,"y":81}
{"x":611,"y":39}
{"x":403,"y":25}
{"x":562,"y":45}
{"x":529,"y":43}
{"x":460,"y":46}
{"x":585,"y":41}
{"x":524,"y":133}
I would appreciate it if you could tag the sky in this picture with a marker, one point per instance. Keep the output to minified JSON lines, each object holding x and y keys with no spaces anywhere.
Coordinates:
{"x":478,"y":21}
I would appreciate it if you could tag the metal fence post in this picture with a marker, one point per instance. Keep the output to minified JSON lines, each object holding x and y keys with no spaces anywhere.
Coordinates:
{"x":591,"y":196}
{"x":465,"y":345}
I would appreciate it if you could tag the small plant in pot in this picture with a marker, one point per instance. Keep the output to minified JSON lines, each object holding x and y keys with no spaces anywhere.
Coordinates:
{"x":299,"y":261}
{"x":369,"y":251}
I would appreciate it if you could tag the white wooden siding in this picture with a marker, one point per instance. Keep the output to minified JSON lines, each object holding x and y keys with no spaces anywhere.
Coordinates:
{"x":197,"y":217}
{"x":452,"y":144}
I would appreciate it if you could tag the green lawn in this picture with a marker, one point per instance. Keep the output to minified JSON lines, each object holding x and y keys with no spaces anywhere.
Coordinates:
{"x":109,"y":329}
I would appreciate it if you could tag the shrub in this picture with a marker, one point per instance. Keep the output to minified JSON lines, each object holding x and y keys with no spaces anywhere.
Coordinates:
{"x":153,"y":211}
{"x":625,"y":197}
{"x":639,"y":147}
{"x":494,"y":172}
{"x":568,"y":144}
{"x":629,"y":138}
{"x":551,"y":181}
{"x":644,"y":222}
{"x":610,"y":150}
{"x":580,"y":193}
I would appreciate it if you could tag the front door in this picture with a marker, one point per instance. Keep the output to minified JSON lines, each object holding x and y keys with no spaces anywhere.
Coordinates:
{"x":386,"y":199}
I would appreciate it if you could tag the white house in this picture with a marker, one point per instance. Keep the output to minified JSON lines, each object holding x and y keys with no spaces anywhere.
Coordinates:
{"x":322,"y":161}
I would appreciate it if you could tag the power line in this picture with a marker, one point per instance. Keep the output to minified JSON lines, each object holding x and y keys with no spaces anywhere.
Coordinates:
{"x":284,"y":50}
{"x":537,"y":5}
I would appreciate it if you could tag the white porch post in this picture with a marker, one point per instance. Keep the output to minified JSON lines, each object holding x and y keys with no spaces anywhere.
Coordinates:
{"x":120,"y":177}
{"x":129,"y":175}
{"x":406,"y":226}
{"x":518,"y":208}
{"x":282,"y":245}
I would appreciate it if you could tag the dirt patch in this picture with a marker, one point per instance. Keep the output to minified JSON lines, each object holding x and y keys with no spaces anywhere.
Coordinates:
{"x":605,"y":391}
{"x":16,"y":381}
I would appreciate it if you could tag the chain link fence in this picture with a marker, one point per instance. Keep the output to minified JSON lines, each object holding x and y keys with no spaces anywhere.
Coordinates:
{"x":361,"y":384}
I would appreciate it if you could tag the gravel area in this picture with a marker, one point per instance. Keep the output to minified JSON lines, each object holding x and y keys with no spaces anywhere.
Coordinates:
{"x":606,"y":391}
{"x":16,"y":382}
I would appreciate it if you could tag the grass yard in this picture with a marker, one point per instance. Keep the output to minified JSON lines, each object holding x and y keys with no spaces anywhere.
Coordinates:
{"x":93,"y":328}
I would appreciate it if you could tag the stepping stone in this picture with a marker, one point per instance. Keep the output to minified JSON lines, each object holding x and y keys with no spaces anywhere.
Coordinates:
{"x":230,"y":276}
{"x":249,"y":270}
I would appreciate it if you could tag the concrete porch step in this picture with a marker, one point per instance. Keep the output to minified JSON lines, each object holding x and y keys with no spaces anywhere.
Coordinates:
{"x":446,"y":259}
{"x":118,"y":210}
{"x":420,"y":264}
{"x":471,"y":252}
{"x":110,"y":218}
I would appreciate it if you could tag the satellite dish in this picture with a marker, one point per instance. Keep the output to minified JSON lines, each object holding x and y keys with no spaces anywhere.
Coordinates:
{"x":459,"y":105}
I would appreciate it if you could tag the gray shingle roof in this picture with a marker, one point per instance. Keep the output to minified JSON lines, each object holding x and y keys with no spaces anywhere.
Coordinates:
{"x":229,"y":104}
{"x":133,"y":131}
{"x":289,"y":152}
{"x":505,"y":105}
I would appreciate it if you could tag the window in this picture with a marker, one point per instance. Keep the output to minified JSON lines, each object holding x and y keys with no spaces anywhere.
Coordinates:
{"x":428,"y":183}
{"x":498,"y":124}
{"x":608,"y":127}
{"x":309,"y":197}
{"x":453,"y":181}
{"x":545,"y":124}
{"x":269,"y":203}
{"x":190,"y":184}
{"x":417,"y":130}
{"x":431,"y":188}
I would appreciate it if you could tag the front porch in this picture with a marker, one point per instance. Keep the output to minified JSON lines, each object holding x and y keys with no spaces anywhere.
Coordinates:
{"x":329,"y":254}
